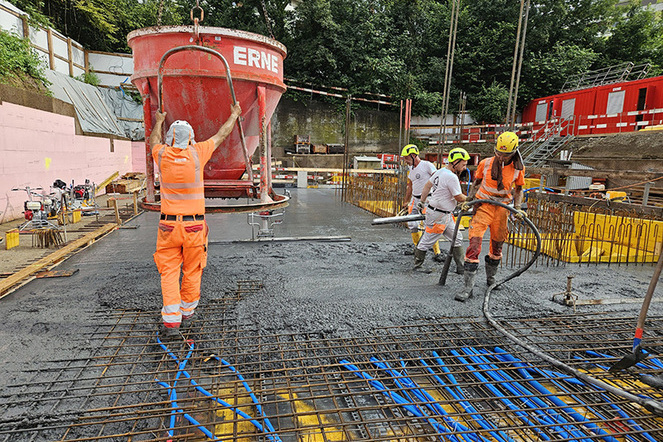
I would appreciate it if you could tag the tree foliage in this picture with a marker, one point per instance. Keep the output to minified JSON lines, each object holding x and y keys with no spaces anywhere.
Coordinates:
{"x":17,"y":59}
{"x":399,"y":47}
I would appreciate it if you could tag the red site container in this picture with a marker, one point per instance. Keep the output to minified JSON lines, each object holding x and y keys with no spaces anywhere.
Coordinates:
{"x":195,"y":88}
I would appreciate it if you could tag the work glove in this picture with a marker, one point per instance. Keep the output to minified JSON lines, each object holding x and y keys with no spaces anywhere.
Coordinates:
{"x":520,"y":214}
{"x":421,"y":205}
{"x":464,"y":206}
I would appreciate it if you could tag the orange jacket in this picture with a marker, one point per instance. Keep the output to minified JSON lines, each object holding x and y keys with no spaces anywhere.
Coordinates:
{"x":488,"y":189}
{"x":181,"y":176}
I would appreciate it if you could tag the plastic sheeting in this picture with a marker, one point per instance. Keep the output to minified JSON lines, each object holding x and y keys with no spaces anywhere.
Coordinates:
{"x":128,"y":112}
{"x":99,"y":110}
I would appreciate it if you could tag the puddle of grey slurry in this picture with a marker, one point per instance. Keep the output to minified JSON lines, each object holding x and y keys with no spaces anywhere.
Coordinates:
{"x":340,"y":289}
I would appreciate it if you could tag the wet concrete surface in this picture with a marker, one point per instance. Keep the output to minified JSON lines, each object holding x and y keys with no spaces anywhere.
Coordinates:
{"x":342,"y":288}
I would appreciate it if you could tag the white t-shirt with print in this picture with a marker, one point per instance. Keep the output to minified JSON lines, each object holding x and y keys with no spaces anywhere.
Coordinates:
{"x":419,"y":176}
{"x":446,"y":186}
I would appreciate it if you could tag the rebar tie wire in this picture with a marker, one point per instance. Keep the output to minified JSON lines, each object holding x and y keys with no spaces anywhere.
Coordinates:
{"x":172,"y":394}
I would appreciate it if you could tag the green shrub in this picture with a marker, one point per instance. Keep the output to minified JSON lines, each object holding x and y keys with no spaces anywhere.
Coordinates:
{"x":89,"y":77}
{"x":18,"y":60}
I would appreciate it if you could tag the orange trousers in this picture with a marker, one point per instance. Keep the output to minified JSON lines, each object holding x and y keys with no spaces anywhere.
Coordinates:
{"x":180,"y":244}
{"x":487,"y":216}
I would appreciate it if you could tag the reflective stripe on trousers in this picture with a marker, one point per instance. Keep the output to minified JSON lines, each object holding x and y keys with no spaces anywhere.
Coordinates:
{"x":487,"y":216}
{"x":413,"y":226}
{"x":438,"y":224}
{"x":180,"y":244}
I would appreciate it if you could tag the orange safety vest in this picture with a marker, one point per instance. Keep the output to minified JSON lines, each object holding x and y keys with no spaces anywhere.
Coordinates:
{"x":181,"y":176}
{"x":488,"y":189}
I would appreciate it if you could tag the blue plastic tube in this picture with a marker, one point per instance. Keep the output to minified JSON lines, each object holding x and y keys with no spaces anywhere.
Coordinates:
{"x":469,"y":408}
{"x":172,"y":393}
{"x":561,"y":377}
{"x":553,"y":418}
{"x":235,"y":410}
{"x":187,"y":416}
{"x":268,"y":423}
{"x":421,"y":397}
{"x":398,"y":399}
{"x":558,"y":402}
{"x":522,"y":415}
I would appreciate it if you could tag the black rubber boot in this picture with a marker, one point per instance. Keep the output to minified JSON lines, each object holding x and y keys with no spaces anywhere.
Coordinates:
{"x":491,"y":271}
{"x":419,"y":258}
{"x":169,"y":334}
{"x":470,"y":272}
{"x":458,"y":254}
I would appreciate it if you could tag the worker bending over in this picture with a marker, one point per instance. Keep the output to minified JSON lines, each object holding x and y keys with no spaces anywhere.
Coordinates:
{"x":445,"y":192}
{"x":182,"y":235}
{"x":418,"y":175}
{"x":496,"y":179}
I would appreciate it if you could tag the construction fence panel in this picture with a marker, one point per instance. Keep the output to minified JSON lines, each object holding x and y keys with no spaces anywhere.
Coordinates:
{"x":587,"y":231}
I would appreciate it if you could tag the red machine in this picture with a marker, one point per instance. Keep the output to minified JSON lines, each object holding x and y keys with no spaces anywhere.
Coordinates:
{"x":612,"y":108}
{"x":196,"y":73}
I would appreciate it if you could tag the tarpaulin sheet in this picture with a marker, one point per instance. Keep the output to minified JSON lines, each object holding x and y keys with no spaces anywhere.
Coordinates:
{"x":98,"y":108}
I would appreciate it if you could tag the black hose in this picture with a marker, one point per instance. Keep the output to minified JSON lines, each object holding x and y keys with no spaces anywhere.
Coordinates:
{"x":648,"y":403}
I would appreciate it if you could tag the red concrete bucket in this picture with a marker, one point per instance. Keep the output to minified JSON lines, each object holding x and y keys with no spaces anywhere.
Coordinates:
{"x":195,"y":76}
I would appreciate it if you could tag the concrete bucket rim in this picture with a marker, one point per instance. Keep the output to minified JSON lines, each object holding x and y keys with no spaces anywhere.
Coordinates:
{"x":209,"y":30}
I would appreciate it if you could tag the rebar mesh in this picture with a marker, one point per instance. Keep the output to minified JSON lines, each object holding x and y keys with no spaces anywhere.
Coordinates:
{"x":447,"y":379}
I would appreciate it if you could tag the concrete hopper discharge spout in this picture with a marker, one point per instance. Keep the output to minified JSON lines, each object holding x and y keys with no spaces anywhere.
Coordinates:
{"x":186,"y":70}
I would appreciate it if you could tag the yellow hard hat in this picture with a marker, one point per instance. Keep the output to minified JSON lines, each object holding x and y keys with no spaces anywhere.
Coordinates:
{"x":458,"y":154}
{"x":507,"y":142}
{"x":410,"y":149}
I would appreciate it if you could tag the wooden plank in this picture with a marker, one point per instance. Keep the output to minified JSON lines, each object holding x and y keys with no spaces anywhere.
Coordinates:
{"x":56,"y":273}
{"x":23,"y":274}
{"x":106,"y":181}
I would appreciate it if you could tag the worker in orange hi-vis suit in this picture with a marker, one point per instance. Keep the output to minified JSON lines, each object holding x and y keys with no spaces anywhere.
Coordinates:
{"x":499,"y":178}
{"x":182,"y":235}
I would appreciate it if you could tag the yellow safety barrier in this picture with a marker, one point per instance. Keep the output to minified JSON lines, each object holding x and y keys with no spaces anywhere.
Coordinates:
{"x":600,"y":238}
{"x":11,"y":239}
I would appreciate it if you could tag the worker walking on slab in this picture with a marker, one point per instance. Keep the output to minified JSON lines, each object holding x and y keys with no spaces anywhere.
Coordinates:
{"x":182,"y":235}
{"x":445,"y":192}
{"x":419,"y":173}
{"x":498,"y":178}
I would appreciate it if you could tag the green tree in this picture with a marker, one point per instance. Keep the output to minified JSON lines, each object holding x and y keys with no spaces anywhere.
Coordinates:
{"x":489,"y":105}
{"x":637,"y":37}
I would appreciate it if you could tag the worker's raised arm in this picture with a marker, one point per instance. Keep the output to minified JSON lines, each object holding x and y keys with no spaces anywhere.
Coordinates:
{"x":518,"y":197}
{"x":227,"y":127}
{"x":155,"y":136}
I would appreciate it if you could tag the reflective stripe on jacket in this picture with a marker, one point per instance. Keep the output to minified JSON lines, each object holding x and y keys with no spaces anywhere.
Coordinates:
{"x":488,"y":189}
{"x":181,"y":177}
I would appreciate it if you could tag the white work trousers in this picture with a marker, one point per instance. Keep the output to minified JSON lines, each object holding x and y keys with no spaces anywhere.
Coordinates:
{"x":413,"y":209}
{"x":438,"y":224}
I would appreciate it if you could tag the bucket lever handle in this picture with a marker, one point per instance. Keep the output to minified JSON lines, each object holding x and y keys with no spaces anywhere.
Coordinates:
{"x":247,"y":159}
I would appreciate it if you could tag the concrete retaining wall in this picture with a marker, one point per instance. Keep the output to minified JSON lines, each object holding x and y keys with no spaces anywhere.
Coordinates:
{"x":370,"y":130}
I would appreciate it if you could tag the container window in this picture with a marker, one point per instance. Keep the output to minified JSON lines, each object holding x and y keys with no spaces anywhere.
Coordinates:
{"x":541,"y":110}
{"x":615,"y":102}
{"x":568,"y":107}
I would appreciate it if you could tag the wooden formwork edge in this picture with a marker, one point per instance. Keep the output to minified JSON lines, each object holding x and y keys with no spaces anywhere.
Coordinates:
{"x":21,"y":277}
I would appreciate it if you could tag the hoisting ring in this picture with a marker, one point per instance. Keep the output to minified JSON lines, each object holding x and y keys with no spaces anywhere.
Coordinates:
{"x":197,"y":20}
